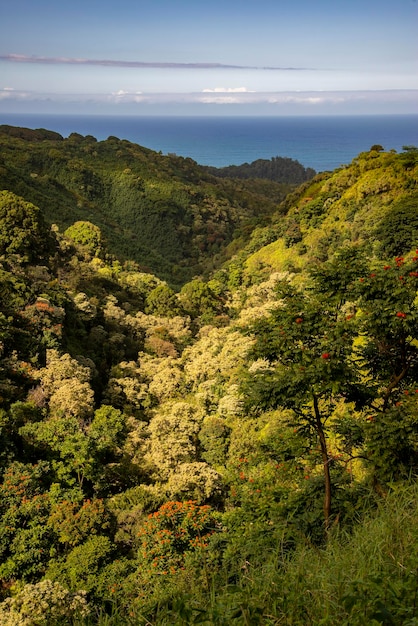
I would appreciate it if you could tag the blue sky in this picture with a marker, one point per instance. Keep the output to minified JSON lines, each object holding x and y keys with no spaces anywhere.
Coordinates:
{"x":216,"y":57}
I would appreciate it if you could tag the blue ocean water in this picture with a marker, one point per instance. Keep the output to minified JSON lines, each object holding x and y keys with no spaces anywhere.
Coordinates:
{"x":322,"y":143}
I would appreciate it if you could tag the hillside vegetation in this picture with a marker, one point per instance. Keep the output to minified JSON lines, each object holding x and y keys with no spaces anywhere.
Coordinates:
{"x":164,"y":212}
{"x":279,"y":169}
{"x":242,"y":450}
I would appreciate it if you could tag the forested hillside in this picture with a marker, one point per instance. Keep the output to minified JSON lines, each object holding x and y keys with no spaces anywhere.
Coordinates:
{"x":279,"y":169}
{"x":164,"y":212}
{"x":240,"y":450}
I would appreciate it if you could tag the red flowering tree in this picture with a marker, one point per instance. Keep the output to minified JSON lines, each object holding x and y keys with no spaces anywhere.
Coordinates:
{"x":387,"y":299}
{"x":171,"y":533}
{"x":388,"y":353}
{"x":307,"y":341}
{"x":353,"y":336}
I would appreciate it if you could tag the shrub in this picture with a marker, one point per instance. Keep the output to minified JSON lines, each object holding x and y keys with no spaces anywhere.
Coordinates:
{"x":46,"y":603}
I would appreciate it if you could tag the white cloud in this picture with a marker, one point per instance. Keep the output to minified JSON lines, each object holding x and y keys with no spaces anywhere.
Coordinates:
{"x":219,"y":100}
{"x":8,"y":93}
{"x":227,"y":90}
{"x":308,"y":99}
{"x":252,"y":97}
{"x":285,"y":101}
{"x":123,"y":96}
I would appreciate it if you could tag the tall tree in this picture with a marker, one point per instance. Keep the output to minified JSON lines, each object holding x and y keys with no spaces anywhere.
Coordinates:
{"x":308,"y":345}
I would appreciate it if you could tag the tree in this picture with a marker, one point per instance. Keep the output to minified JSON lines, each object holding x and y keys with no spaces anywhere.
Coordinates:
{"x":200,"y":300}
{"x":388,"y":352}
{"x":397,"y":231}
{"x":173,"y":437}
{"x":23,"y":230}
{"x":62,"y":439}
{"x":352,"y":337}
{"x":43,"y":603}
{"x":74,"y":523}
{"x":163,"y":301}
{"x":171,"y":533}
{"x":195,"y":480}
{"x":25,"y":537}
{"x":389,"y":323}
{"x":88,"y":236}
{"x":66,"y":383}
{"x":82,"y":566}
{"x":308,"y":344}
{"x":108,"y":429}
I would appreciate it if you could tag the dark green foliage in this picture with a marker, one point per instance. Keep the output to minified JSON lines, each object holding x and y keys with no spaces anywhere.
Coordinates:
{"x":199,"y":299}
{"x":166,"y":213}
{"x":391,"y":440}
{"x":312,"y":212}
{"x":389,"y":321}
{"x":163,"y":301}
{"x":40,"y":134}
{"x":409,"y":157}
{"x":279,"y":169}
{"x":83,"y":565}
{"x":214,"y":437}
{"x":15,"y":291}
{"x":398,"y":229}
{"x":336,"y":279}
{"x":23,"y":231}
{"x":24,"y":507}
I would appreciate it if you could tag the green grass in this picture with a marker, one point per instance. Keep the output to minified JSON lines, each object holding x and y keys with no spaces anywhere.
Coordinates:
{"x":366,"y":578}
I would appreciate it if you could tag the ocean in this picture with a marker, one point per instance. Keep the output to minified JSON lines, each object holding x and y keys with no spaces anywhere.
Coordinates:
{"x":323,"y":143}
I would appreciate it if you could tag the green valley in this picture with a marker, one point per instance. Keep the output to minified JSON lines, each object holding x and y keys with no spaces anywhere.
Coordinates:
{"x":208,"y":389}
{"x":164,"y":212}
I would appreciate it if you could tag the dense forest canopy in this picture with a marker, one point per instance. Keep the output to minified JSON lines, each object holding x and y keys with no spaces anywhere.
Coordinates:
{"x":164,"y":212}
{"x":234,"y":445}
{"x":280,"y":169}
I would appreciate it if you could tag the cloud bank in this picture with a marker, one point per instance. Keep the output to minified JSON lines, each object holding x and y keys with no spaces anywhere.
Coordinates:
{"x":228,"y":90}
{"x":229,"y":101}
{"x":237,"y":95}
{"x":22,"y":58}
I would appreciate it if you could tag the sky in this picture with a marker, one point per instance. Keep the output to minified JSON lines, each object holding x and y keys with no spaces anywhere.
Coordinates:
{"x":193,"y":57}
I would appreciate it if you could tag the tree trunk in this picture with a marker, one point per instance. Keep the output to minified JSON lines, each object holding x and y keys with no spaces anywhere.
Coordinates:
{"x":325,"y":462}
